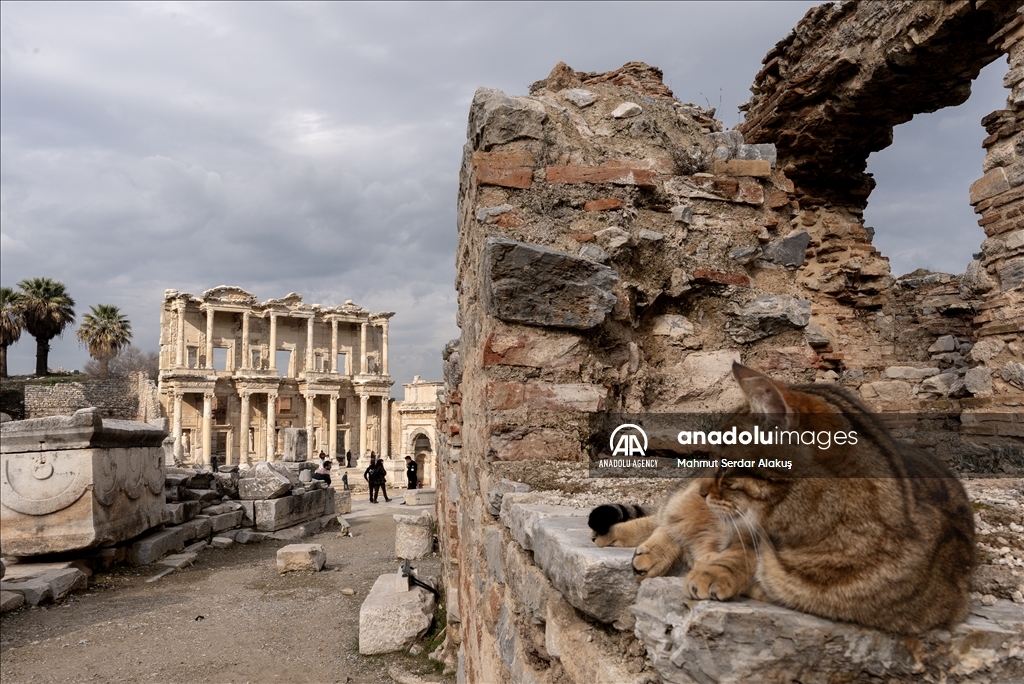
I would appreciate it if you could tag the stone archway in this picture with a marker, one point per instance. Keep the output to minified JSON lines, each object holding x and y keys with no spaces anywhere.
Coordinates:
{"x":422,"y":450}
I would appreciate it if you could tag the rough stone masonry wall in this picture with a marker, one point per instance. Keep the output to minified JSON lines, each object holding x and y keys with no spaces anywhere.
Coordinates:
{"x":131,"y":398}
{"x":618,"y":251}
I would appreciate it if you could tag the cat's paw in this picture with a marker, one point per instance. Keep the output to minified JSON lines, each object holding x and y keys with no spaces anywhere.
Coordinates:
{"x":605,"y":539}
{"x":650,"y":561}
{"x":706,"y":584}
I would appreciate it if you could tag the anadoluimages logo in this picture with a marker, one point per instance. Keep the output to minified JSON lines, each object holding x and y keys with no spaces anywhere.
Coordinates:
{"x":628,"y":442}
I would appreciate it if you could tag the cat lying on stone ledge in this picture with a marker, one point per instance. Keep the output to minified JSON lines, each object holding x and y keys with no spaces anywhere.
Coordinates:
{"x":880,"y":534}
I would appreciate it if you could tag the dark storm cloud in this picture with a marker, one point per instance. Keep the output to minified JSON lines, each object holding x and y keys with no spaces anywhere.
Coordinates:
{"x":309,"y":147}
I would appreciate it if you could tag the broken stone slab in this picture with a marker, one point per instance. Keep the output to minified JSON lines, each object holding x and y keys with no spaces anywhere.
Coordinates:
{"x":85,"y":429}
{"x":225,"y":521}
{"x":520,"y":515}
{"x":745,"y":255}
{"x":909,"y":373}
{"x":342,"y":501}
{"x":303,"y":530}
{"x":978,"y":381}
{"x":249,"y":537}
{"x":34,"y":591}
{"x":197,"y":528}
{"x":414,"y":535}
{"x":946,"y":343}
{"x":598,"y":581}
{"x":178,"y":560}
{"x":299,"y":557}
{"x":30,"y":578}
{"x":295,"y":445}
{"x":580,"y":97}
{"x":226,"y":484}
{"x":789,"y":251}
{"x":1013,"y":373}
{"x":941,"y":385}
{"x":496,"y":118}
{"x":154,"y":546}
{"x":743,"y":640}
{"x":626,"y":110}
{"x":594,"y":253}
{"x":815,"y":336}
{"x":427,"y":496}
{"x":264,"y":483}
{"x":504,"y":486}
{"x":274,"y":514}
{"x":766,"y":316}
{"x":391,"y":620}
{"x":762,"y":151}
{"x":222,"y":542}
{"x":205,"y":497}
{"x":11,"y":600}
{"x":181,"y":512}
{"x":535,"y":285}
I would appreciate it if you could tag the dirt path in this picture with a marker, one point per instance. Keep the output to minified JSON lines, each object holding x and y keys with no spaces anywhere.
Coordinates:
{"x":228,"y":618}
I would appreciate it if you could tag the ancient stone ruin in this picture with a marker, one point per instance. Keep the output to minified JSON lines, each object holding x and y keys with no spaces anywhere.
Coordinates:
{"x":618,"y":251}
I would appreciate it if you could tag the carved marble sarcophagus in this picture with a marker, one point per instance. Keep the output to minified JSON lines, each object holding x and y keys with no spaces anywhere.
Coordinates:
{"x":80,"y":481}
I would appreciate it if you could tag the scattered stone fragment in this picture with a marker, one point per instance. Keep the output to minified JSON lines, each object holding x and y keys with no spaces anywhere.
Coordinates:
{"x":650,"y":235}
{"x":626,"y":110}
{"x":249,"y":537}
{"x":348,"y":592}
{"x":10,"y":600}
{"x":580,"y":97}
{"x":946,"y":343}
{"x":978,"y":381}
{"x":1013,"y":373}
{"x":594,"y":253}
{"x":298,"y":557}
{"x":222,"y":542}
{"x":745,"y":255}
{"x":767,"y":315}
{"x":909,"y":372}
{"x":789,"y":251}
{"x":682,"y":213}
{"x":391,"y":620}
{"x":815,"y":336}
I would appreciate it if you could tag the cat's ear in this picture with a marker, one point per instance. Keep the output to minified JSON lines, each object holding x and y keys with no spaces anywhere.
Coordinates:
{"x":762,"y":394}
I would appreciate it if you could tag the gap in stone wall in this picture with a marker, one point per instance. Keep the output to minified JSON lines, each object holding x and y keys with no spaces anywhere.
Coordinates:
{"x":920,"y":209}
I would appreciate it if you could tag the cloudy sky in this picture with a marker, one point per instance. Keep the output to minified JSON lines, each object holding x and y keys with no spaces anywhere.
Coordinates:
{"x":315,"y":148}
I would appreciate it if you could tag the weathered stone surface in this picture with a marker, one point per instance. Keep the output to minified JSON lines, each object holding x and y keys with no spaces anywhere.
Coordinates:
{"x":946,"y":343}
{"x":178,"y":560}
{"x":539,"y":286}
{"x":299,"y":557}
{"x":30,"y":578}
{"x":545,"y":396}
{"x":909,"y":372}
{"x":572,"y":641}
{"x":225,"y":521}
{"x":497,"y":494}
{"x":222,"y":542}
{"x":274,"y":514}
{"x":177,"y":513}
{"x":249,"y":537}
{"x":940,"y":385}
{"x":757,"y":168}
{"x":606,"y":204}
{"x":616,"y":175}
{"x":989,"y":185}
{"x":743,"y":640}
{"x":342,"y":501}
{"x":580,"y":97}
{"x":414,"y":535}
{"x":594,"y":253}
{"x":1013,"y":373}
{"x":495,"y":118}
{"x":627,"y":110}
{"x":506,"y":170}
{"x":650,"y":235}
{"x":197,"y":528}
{"x":295,"y":445}
{"x":391,"y":620}
{"x":11,"y":600}
{"x":33,"y":590}
{"x":815,"y":336}
{"x":673,"y":325}
{"x":789,"y":251}
{"x":265,"y":483}
{"x":985,"y":349}
{"x":768,"y":315}
{"x":425,"y":496}
{"x":86,"y":429}
{"x":978,"y":381}
{"x":153,"y":546}
{"x":598,"y":581}
{"x":890,"y":391}
{"x":764,"y":151}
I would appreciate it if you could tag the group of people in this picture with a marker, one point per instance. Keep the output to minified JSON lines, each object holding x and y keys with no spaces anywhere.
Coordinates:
{"x":375,"y":475}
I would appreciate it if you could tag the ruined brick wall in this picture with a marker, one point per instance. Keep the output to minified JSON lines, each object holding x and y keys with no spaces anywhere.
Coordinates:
{"x":132,"y":398}
{"x":618,"y":251}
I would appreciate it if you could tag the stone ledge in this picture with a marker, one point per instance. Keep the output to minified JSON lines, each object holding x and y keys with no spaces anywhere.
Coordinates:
{"x":744,"y":640}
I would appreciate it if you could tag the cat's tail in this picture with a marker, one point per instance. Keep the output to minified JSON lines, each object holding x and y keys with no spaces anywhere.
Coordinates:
{"x":603,"y":517}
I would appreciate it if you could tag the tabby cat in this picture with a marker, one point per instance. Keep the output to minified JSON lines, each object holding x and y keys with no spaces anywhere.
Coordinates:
{"x":882,"y":535}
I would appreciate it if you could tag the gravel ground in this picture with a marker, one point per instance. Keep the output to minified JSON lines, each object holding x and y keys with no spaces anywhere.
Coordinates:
{"x":228,"y":618}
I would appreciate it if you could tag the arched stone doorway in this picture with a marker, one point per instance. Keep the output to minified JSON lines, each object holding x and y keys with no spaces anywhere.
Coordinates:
{"x":423,"y":453}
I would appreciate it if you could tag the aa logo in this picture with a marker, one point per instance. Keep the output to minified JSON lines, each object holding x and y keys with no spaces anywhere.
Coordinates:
{"x":626,"y":441}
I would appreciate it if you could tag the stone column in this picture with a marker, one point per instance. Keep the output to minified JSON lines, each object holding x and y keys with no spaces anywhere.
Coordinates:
{"x":362,"y":353}
{"x":364,"y":453}
{"x":385,"y":427}
{"x":209,"y":338}
{"x":178,"y":450}
{"x":207,"y":428}
{"x":243,"y":432}
{"x":384,"y":347}
{"x":273,"y":342}
{"x":246,"y":355}
{"x":180,"y":354}
{"x":334,"y":346}
{"x":332,"y":426}
{"x":309,"y":344}
{"x":229,"y":448}
{"x":310,"y":397}
{"x":271,"y":420}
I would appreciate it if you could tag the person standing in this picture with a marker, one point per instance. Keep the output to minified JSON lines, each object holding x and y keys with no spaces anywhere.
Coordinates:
{"x":348,"y":459}
{"x":380,"y":477}
{"x":410,"y":472}
{"x":368,"y":476}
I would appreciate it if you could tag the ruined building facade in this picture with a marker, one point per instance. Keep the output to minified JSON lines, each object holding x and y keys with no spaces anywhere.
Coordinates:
{"x":618,"y":251}
{"x":234,"y":372}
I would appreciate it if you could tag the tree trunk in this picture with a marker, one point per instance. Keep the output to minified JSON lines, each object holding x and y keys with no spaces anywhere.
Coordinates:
{"x":3,"y":361}
{"x":104,"y":366}
{"x":42,"y":356}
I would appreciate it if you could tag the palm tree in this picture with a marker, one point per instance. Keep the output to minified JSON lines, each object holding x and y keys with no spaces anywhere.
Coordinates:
{"x":11,"y":323}
{"x":104,"y":331}
{"x":47,"y":310}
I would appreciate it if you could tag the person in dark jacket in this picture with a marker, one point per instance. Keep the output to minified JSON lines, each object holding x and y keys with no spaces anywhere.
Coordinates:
{"x":410,"y":472}
{"x":368,"y":476}
{"x":378,"y":481}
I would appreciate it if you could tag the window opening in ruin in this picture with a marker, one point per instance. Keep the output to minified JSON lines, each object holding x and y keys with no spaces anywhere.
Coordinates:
{"x":220,"y":442}
{"x":341,"y":441}
{"x":342,"y":361}
{"x":193,"y":357}
{"x":341,"y":411}
{"x":220,"y":358}
{"x":318,"y":362}
{"x":283,"y":358}
{"x":284,"y":404}
{"x":422,"y":444}
{"x":257,"y":358}
{"x":919,"y":207}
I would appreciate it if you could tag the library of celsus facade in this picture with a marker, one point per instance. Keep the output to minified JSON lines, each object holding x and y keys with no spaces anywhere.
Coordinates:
{"x":234,"y":372}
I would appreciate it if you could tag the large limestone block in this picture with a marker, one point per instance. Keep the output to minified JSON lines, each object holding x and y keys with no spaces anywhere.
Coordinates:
{"x":274,"y":514}
{"x":392,"y":620}
{"x":295,"y":445}
{"x":578,"y":646}
{"x":496,"y":118}
{"x":263,"y":482}
{"x":299,"y":557}
{"x":74,"y":482}
{"x":598,"y":581}
{"x":10,"y":600}
{"x":530,"y":284}
{"x":158,"y":544}
{"x":342,"y":501}
{"x":421,"y":497}
{"x":746,"y":641}
{"x":225,"y":521}
{"x":414,"y":535}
